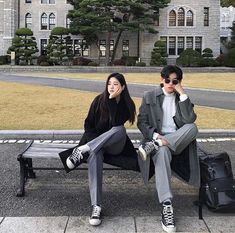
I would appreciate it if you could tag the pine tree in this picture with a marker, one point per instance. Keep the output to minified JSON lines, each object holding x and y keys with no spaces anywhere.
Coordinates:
{"x":59,"y":49}
{"x":158,"y":54}
{"x":24,"y":45}
{"x":90,"y":18}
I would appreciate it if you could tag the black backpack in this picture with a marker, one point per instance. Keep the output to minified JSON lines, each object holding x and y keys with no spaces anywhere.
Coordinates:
{"x":217,"y":190}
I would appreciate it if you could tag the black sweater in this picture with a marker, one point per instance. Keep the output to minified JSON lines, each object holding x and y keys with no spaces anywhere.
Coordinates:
{"x":118,"y":115}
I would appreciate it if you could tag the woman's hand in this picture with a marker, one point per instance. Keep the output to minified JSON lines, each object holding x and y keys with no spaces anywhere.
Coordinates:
{"x":116,"y":93}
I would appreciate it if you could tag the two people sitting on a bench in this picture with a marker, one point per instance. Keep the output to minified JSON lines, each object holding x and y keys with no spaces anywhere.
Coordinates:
{"x":165,"y":119}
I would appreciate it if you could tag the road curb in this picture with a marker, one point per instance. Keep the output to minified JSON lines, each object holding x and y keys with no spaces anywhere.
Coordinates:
{"x":76,"y":134}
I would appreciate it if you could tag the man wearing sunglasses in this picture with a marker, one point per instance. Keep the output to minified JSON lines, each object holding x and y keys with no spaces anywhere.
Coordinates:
{"x":166,"y":120}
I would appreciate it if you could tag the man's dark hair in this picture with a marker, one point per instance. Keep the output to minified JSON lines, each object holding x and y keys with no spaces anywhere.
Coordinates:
{"x":169,"y":69}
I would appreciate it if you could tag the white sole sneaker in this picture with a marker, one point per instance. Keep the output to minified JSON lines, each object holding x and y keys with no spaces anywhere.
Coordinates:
{"x":94,"y":221}
{"x":142,"y":153}
{"x":69,"y":164}
{"x":168,"y":229}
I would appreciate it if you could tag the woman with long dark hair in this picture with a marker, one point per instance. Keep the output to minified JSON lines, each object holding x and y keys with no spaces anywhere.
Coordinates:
{"x":104,"y":133}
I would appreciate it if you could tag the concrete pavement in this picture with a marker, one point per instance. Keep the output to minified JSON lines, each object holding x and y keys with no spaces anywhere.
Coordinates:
{"x":59,"y":202}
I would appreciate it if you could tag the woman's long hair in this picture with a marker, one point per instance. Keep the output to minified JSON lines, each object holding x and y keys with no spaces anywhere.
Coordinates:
{"x":102,"y":106}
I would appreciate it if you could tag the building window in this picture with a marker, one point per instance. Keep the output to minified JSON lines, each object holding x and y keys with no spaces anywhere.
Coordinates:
{"x":164,"y":39}
{"x":43,"y":43}
{"x":43,"y":1}
{"x":172,"y":45}
{"x":51,"y":21}
{"x":180,"y":45}
{"x":28,"y":1}
{"x":156,"y":17}
{"x":68,"y":22}
{"x":77,"y":47}
{"x":172,"y":18}
{"x":44,"y":21}
{"x":198,"y":44}
{"x":102,"y":48}
{"x":181,"y":17}
{"x":28,"y":20}
{"x":51,"y":1}
{"x":189,"y":19}
{"x":223,"y":18}
{"x":189,"y":42}
{"x":125,"y":48}
{"x":111,"y":47}
{"x":206,"y":16}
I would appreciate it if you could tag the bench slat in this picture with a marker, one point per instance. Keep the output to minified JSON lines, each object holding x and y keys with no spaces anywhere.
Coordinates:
{"x":41,"y":155}
{"x":53,"y":145}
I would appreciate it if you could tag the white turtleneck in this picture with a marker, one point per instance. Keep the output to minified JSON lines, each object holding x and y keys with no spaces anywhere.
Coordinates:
{"x":168,"y":107}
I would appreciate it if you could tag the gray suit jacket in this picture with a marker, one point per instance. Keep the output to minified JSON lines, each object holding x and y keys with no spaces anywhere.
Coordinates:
{"x":186,"y":165}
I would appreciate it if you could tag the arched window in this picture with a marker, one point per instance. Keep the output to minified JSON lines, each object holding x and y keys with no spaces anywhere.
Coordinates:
{"x":28,"y":20}
{"x":172,"y":18}
{"x":223,"y":18}
{"x":44,"y":21}
{"x":189,"y":18}
{"x":51,"y":21}
{"x":181,"y":16}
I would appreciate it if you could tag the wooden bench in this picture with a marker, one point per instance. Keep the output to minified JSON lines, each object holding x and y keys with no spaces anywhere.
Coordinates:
{"x":46,"y":150}
{"x":50,"y":150}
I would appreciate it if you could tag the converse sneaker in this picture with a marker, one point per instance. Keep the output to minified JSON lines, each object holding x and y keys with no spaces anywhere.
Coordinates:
{"x":146,"y":148}
{"x":168,"y":223}
{"x":95,"y":218}
{"x":76,"y":158}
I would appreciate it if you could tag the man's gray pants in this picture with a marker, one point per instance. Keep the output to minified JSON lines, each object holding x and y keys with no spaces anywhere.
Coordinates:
{"x":178,"y":141}
{"x":112,"y":142}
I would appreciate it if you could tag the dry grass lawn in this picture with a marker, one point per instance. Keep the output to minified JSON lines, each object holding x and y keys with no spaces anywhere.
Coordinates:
{"x":25,"y":106}
{"x":220,"y":81}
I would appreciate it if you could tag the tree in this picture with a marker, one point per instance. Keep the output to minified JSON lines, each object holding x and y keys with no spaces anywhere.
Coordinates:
{"x":231,"y":43}
{"x":59,"y":48}
{"x":90,"y":18}
{"x":227,"y":3}
{"x":24,"y":45}
{"x":189,"y":57}
{"x":158,"y":54}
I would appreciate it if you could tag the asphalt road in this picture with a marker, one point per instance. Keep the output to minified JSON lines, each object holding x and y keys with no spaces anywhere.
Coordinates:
{"x":209,"y":98}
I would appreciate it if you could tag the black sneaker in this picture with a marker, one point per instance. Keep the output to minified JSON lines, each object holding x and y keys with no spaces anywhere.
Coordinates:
{"x":147,"y":148}
{"x":95,"y":218}
{"x":168,"y":223}
{"x":76,"y":158}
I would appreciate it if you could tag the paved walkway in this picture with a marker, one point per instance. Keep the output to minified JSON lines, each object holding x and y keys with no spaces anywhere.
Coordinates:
{"x":202,"y":97}
{"x":144,"y":224}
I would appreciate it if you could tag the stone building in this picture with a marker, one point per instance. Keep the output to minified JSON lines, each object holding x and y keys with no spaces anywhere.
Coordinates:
{"x":182,"y":24}
{"x":227,"y":16}
{"x":8,"y":23}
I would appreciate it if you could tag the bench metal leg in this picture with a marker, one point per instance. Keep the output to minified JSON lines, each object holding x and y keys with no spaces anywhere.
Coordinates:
{"x":31,"y":174}
{"x":23,"y":178}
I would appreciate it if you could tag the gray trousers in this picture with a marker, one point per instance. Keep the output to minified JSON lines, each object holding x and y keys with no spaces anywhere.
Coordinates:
{"x":178,"y":141}
{"x":112,"y":142}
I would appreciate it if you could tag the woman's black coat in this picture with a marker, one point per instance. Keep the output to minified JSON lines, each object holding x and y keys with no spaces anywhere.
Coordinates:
{"x":118,"y":115}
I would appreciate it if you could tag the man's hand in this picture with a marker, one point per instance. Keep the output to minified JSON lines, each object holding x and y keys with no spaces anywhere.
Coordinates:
{"x":179,"y":89}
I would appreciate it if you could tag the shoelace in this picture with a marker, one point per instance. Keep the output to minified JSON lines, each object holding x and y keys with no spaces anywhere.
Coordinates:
{"x":76,"y":155}
{"x":96,"y":211}
{"x":168,"y":214}
{"x":149,"y":147}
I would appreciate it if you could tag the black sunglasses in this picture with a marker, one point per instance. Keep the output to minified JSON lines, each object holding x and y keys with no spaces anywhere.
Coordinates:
{"x":174,"y":81}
